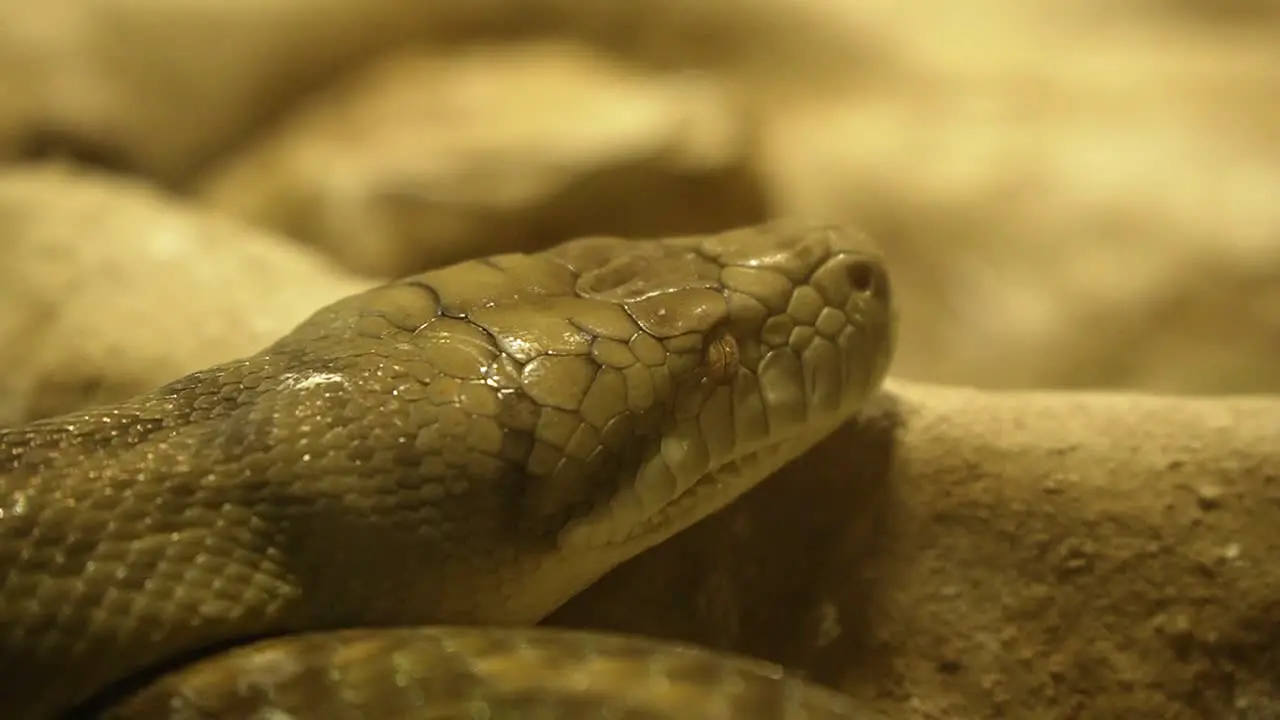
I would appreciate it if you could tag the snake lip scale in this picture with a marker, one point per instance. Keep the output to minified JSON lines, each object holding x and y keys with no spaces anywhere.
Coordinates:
{"x":353,"y":522}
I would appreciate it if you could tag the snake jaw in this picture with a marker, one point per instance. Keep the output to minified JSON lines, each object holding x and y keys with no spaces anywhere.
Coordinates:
{"x":657,"y":504}
{"x":644,"y":510}
{"x":711,"y":491}
{"x":618,"y":524}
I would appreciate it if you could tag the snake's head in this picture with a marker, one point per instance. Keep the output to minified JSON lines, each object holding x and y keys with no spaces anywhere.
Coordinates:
{"x":713,"y":360}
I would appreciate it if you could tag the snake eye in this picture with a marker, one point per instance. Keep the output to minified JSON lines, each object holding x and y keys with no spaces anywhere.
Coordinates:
{"x":721,"y":356}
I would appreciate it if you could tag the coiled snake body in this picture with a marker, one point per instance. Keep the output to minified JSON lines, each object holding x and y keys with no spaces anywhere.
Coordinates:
{"x":470,"y":446}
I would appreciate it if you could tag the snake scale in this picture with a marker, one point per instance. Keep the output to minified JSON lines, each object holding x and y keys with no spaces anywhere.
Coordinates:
{"x":357,"y":521}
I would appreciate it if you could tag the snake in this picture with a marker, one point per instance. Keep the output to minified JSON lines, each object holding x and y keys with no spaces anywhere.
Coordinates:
{"x":367,"y":518}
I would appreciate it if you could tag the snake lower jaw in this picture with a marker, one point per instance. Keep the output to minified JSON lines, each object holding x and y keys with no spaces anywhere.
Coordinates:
{"x":711,"y":491}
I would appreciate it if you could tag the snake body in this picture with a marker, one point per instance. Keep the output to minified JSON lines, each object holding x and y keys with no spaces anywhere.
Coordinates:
{"x":466,"y":447}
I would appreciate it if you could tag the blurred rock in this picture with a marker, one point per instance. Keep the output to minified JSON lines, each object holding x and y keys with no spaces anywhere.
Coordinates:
{"x":428,"y":158}
{"x":161,"y":88}
{"x":1063,"y":207}
{"x":109,"y":288}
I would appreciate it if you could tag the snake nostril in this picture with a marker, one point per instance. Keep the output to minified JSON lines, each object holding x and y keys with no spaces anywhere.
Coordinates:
{"x":865,"y":278}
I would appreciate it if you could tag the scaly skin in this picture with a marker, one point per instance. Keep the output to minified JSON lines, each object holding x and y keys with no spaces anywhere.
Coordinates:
{"x":467,"y":672}
{"x":472,"y":445}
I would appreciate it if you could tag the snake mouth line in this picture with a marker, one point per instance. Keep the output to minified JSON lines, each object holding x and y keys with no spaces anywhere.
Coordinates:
{"x":722,"y":483}
{"x":712,"y":490}
{"x":718,"y":483}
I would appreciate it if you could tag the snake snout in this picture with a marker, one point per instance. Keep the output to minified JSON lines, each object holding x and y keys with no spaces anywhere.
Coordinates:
{"x":824,"y":353}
